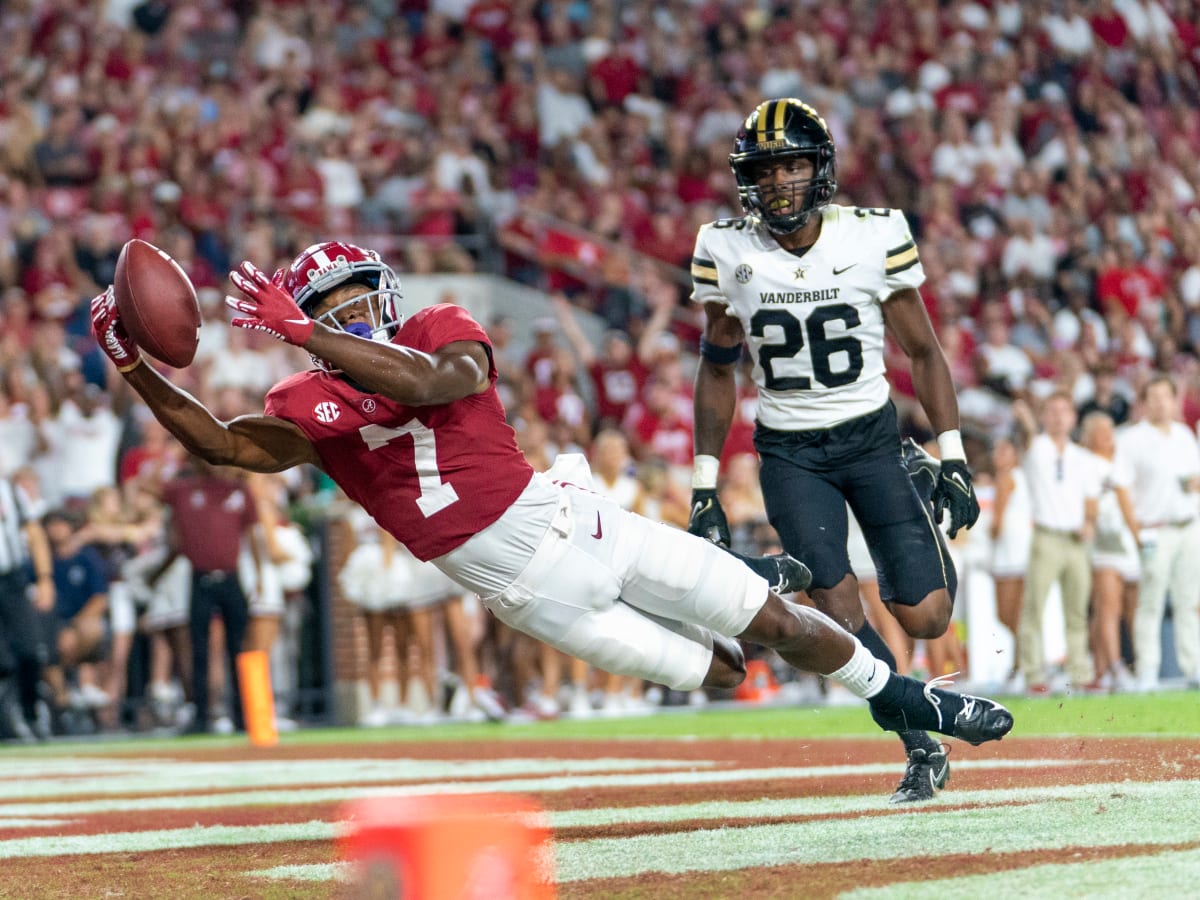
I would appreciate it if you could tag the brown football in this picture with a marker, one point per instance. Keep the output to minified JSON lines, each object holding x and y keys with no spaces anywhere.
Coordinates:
{"x":157,"y":303}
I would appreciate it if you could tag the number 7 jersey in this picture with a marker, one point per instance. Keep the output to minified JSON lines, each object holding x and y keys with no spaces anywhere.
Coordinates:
{"x":432,"y":476}
{"x":814,"y":323}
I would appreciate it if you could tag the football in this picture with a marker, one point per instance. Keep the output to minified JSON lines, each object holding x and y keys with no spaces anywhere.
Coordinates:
{"x":157,"y":303}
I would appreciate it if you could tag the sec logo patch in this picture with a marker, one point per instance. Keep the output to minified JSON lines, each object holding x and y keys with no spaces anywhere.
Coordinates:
{"x":743,"y":273}
{"x":326,"y":412}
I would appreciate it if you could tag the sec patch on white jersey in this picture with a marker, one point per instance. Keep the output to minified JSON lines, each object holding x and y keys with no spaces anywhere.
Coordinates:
{"x":814,"y":323}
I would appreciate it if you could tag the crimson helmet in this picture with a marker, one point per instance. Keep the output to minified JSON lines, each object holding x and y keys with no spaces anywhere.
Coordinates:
{"x":780,"y":129}
{"x":326,"y":266}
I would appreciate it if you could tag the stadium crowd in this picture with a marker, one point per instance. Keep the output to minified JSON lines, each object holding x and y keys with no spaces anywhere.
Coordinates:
{"x":1047,"y":156}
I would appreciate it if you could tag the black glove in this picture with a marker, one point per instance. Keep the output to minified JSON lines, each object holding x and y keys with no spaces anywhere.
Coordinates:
{"x":708,"y":519}
{"x":954,"y":492}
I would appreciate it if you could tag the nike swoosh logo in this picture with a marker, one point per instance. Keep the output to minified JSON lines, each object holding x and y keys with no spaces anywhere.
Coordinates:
{"x":844,"y":269}
{"x":701,"y":507}
{"x":599,"y":531}
{"x":936,"y":775}
{"x":296,"y":321}
{"x":962,"y":484}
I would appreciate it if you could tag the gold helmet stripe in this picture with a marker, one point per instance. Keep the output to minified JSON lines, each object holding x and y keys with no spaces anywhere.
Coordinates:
{"x":761,"y":116}
{"x":780,"y":116}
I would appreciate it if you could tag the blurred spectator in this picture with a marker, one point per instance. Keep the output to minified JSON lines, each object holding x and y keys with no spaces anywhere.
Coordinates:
{"x":211,"y":513}
{"x":1161,"y":453}
{"x":116,"y":534}
{"x":1106,"y":397}
{"x":82,"y":438}
{"x":23,"y":548}
{"x":1002,"y":367}
{"x":616,"y":373}
{"x":1011,"y":532}
{"x":658,"y":426}
{"x":76,"y":630}
{"x":1064,"y":488}
{"x":659,"y":497}
{"x":1115,"y":566}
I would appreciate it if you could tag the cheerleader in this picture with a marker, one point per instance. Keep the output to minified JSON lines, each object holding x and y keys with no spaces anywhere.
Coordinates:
{"x":1116,"y":567}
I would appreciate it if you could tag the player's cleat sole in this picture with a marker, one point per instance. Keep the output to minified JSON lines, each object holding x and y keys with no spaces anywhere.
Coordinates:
{"x":784,"y":573}
{"x":927,"y":773}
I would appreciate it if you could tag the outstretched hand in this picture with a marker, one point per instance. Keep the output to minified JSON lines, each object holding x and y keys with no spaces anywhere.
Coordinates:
{"x":110,"y":333}
{"x":954,"y":492}
{"x":268,"y":307}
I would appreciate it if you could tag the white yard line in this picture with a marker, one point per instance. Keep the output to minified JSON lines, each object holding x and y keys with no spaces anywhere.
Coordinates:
{"x":1101,"y":815}
{"x":1148,"y":875}
{"x":1149,"y":813}
{"x":160,"y":775}
{"x":550,"y":781}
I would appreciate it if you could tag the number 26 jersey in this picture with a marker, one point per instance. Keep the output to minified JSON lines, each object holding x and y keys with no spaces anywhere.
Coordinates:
{"x":814,"y":323}
{"x":432,"y":476}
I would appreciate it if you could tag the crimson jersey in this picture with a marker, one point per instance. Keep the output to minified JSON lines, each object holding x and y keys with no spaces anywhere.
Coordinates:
{"x":432,"y":476}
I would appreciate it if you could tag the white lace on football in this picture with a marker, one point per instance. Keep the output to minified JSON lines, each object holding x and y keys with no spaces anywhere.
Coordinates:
{"x":942,"y":681}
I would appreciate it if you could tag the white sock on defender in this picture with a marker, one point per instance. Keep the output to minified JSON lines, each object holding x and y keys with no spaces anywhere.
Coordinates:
{"x":864,"y":675}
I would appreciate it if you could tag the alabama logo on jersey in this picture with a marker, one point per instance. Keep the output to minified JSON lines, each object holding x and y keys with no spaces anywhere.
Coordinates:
{"x":814,"y":323}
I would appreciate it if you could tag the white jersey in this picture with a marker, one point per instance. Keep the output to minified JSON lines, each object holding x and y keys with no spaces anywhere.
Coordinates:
{"x":814,"y":323}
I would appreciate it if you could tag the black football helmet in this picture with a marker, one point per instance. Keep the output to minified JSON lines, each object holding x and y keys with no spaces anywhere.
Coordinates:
{"x":777,"y":129}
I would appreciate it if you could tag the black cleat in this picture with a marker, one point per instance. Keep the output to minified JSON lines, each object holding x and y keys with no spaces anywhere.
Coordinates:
{"x":980,"y":720}
{"x":926,"y":774}
{"x":976,"y":720}
{"x":785,"y":574}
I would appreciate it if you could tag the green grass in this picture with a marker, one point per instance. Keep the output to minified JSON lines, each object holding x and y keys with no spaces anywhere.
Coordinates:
{"x":1175,"y":714}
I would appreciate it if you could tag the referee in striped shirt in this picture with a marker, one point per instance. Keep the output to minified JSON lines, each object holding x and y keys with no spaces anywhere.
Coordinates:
{"x":22,"y":541}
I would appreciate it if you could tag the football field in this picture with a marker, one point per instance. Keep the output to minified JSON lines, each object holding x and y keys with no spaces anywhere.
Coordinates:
{"x":1089,"y":797}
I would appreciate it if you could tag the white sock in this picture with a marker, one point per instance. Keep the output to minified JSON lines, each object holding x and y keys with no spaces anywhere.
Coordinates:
{"x":864,"y":675}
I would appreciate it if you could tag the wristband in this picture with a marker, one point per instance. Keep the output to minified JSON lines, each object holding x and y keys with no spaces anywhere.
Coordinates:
{"x":704,"y":473}
{"x":722,"y":356}
{"x":133,"y":365}
{"x":950,"y":445}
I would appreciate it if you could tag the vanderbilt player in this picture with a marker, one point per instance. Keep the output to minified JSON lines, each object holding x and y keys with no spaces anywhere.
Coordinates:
{"x":811,"y":287}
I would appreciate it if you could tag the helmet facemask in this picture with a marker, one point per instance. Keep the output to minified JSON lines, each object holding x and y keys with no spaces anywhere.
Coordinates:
{"x":775,"y":132}
{"x":323,"y":269}
{"x":804,"y":196}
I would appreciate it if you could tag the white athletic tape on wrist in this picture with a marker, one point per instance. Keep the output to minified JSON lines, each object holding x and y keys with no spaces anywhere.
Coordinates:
{"x":950,"y":445}
{"x":704,"y":472}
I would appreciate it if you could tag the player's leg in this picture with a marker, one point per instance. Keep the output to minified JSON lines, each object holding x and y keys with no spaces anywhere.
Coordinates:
{"x":676,"y":575}
{"x":917,"y":576}
{"x":646,"y":600}
{"x":879,"y":618}
{"x":916,"y":582}
{"x":811,"y":641}
{"x":809,"y":513}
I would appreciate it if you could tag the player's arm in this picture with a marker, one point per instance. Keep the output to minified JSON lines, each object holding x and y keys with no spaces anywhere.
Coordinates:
{"x":256,"y":442}
{"x":259,"y":443}
{"x":716,"y":382}
{"x":404,"y":374}
{"x":905,"y":316}
{"x":714,"y":404}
